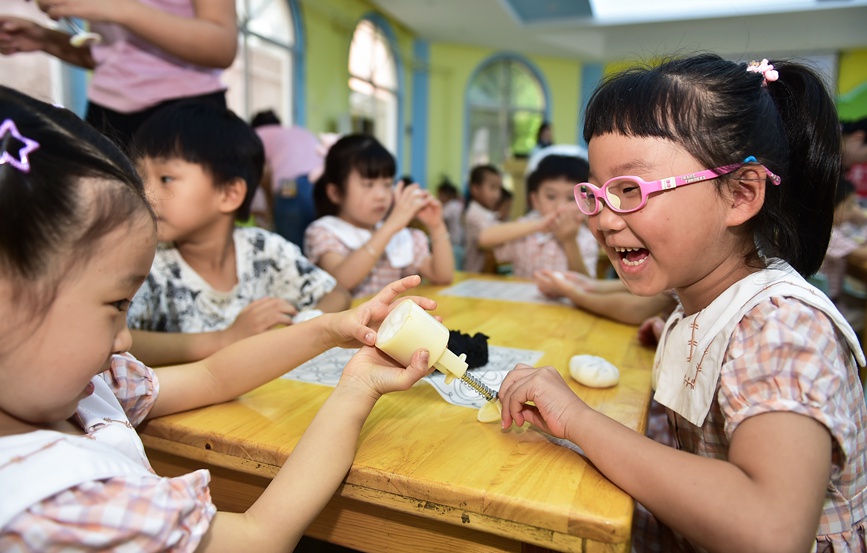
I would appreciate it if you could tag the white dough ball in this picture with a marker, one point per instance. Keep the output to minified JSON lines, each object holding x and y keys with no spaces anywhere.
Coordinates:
{"x":593,"y":371}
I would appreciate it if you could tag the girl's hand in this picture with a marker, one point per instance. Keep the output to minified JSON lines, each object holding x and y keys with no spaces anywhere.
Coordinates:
{"x":357,"y":327}
{"x":374,"y":373}
{"x":21,"y":35}
{"x":260,"y":315}
{"x":556,"y":283}
{"x":554,"y":407}
{"x":566,"y":223}
{"x":431,"y":213}
{"x":551,"y":283}
{"x":650,"y":331}
{"x":408,"y":199}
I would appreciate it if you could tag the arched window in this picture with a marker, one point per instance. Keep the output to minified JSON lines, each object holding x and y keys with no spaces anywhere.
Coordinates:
{"x":263,"y":74}
{"x":506,"y":103}
{"x":373,"y":84}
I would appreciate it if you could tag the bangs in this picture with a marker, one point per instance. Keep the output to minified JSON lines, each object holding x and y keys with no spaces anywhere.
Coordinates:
{"x":646,"y":103}
{"x":373,"y":161}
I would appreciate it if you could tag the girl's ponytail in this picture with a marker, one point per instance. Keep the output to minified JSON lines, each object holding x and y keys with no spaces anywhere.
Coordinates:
{"x":812,"y":130}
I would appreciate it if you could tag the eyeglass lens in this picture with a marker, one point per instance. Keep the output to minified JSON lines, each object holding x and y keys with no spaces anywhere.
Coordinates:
{"x":620,"y":195}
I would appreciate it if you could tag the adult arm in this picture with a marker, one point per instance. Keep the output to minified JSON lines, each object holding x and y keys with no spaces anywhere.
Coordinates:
{"x":23,"y":35}
{"x":209,"y":39}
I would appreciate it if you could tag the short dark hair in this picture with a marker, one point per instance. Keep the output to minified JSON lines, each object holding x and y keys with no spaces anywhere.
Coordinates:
{"x":265,"y":117}
{"x":720,"y":113}
{"x":48,"y":221}
{"x":553,"y":167}
{"x":359,"y":152}
{"x":477,"y":173}
{"x":207,"y":135}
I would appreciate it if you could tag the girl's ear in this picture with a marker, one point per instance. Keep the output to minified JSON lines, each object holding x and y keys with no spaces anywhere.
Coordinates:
{"x":746,"y":194}
{"x":232,"y":195}
{"x":333,"y":193}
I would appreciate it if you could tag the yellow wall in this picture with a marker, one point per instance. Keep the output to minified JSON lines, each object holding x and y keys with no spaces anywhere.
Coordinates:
{"x":451,"y":66}
{"x":328,"y":27}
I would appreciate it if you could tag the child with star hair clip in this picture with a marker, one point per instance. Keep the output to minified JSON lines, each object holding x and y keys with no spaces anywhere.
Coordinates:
{"x":77,"y":238}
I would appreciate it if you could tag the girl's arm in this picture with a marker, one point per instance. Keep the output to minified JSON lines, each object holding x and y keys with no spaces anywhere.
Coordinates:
{"x":22,"y":35}
{"x":623,"y":307}
{"x":335,"y":300}
{"x":501,"y":233}
{"x":439,"y":267}
{"x":209,"y":39}
{"x":319,"y":462}
{"x":767,"y":496}
{"x":268,"y":355}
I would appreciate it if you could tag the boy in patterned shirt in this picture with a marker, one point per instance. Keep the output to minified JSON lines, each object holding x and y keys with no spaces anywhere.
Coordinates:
{"x":213,"y":283}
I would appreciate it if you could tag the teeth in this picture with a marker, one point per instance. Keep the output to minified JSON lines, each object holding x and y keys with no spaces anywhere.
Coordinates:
{"x":623,"y":250}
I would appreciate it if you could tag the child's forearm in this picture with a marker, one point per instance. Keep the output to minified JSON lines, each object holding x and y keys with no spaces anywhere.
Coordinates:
{"x":305,"y":484}
{"x":769,"y":468}
{"x":574,"y":259}
{"x":442,"y":267}
{"x":168,"y":348}
{"x":495,"y":235}
{"x":622,"y":307}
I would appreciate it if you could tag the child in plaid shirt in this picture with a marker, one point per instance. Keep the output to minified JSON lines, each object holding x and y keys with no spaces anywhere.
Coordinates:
{"x":756,"y":369}
{"x":565,"y":244}
{"x":362,"y":236}
{"x":77,"y":238}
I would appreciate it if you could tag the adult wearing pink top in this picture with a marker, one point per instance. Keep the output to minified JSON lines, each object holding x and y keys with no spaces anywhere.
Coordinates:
{"x":152,"y":52}
{"x":292,"y":154}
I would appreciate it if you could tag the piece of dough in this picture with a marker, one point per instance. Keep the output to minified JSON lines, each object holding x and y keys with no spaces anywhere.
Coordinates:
{"x":491,"y":411}
{"x":593,"y":371}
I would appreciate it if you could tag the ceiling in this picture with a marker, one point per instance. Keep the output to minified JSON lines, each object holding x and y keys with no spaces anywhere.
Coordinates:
{"x":610,"y":30}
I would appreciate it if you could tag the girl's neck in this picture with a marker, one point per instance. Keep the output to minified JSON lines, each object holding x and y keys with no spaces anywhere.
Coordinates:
{"x":699,"y":295}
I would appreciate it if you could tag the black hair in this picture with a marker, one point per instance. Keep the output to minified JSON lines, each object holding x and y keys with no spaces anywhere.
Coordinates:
{"x":721,"y":113}
{"x":207,"y":135}
{"x":446,"y":186}
{"x":79,"y":188}
{"x":265,"y":117}
{"x":359,"y":152}
{"x":477,"y":173}
{"x":555,"y":167}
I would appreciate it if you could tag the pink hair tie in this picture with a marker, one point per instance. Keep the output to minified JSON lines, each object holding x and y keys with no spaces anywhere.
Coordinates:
{"x":766,"y":69}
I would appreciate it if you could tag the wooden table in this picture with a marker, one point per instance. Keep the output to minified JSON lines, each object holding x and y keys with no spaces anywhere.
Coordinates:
{"x":428,"y":476}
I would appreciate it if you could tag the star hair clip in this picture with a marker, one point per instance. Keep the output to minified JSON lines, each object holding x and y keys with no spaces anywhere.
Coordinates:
{"x":21,"y":161}
{"x":766,"y":69}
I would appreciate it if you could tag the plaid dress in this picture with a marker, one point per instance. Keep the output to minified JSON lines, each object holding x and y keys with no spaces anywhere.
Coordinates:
{"x":116,"y":501}
{"x":783,"y":356}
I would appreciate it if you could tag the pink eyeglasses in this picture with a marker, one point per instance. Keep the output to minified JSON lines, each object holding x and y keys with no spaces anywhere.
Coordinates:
{"x":627,"y":194}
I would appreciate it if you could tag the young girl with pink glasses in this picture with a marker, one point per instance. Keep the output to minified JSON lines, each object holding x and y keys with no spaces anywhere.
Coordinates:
{"x":728,"y":201}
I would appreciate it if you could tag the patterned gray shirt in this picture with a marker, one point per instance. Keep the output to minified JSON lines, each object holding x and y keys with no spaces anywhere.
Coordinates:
{"x":174,"y":298}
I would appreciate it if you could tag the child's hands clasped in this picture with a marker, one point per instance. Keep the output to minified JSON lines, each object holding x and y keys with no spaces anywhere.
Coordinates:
{"x":565,"y":225}
{"x":409,"y":201}
{"x":554,"y":406}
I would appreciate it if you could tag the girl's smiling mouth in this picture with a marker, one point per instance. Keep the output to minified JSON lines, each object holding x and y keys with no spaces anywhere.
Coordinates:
{"x":632,"y":257}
